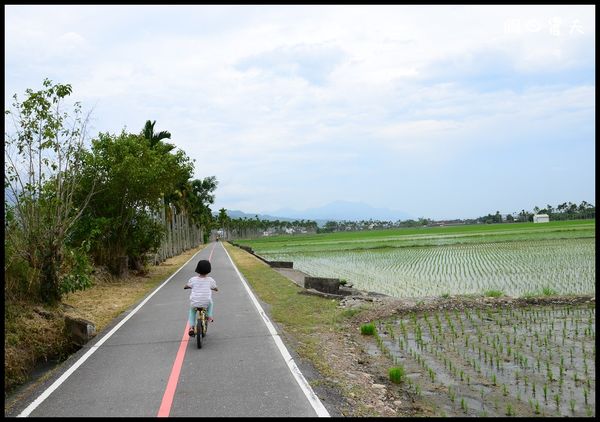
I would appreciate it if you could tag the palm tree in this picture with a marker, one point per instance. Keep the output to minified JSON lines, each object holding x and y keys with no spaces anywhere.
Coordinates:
{"x":155,"y":138}
{"x":223,"y":219}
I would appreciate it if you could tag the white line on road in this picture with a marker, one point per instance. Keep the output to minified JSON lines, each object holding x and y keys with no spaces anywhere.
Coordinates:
{"x":95,"y":347}
{"x":304,"y":385}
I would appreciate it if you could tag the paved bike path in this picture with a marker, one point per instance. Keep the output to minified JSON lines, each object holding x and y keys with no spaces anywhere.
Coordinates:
{"x":238,"y":372}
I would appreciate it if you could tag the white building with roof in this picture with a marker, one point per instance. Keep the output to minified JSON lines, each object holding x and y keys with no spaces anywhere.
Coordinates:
{"x":541,"y":218}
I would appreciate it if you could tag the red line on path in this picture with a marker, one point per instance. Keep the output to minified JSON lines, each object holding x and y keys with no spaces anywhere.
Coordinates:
{"x":167,"y":400}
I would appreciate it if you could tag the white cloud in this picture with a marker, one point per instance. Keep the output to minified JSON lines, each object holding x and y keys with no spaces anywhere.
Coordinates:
{"x":260,"y":94}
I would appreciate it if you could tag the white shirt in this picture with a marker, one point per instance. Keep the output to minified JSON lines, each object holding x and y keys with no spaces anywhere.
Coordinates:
{"x":201,"y":294}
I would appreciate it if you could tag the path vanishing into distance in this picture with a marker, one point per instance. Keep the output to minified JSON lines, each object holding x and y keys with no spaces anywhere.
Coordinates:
{"x":146,"y":365}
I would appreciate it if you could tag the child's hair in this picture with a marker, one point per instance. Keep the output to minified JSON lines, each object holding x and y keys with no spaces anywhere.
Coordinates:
{"x":203,"y":267}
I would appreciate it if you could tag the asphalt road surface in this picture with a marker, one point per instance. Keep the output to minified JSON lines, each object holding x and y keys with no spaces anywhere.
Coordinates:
{"x":146,"y":365}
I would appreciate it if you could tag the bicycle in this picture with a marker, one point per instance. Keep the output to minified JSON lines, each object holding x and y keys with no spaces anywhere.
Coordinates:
{"x":201,"y":325}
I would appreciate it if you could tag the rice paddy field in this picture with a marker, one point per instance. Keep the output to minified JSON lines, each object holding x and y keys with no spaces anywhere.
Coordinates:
{"x":517,"y":259}
{"x":529,"y":361}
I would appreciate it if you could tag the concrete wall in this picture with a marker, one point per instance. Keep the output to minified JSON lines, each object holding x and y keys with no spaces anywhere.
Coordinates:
{"x":322,"y":284}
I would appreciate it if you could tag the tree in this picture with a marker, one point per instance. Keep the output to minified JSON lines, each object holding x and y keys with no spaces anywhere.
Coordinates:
{"x":201,"y":197}
{"x":42,"y":173}
{"x":131,"y":176}
{"x":223,"y":220}
{"x":523,"y":216}
{"x":497,"y":217}
{"x":155,"y":139}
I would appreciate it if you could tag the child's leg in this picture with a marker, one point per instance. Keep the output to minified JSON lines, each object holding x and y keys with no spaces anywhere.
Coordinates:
{"x":192,"y":316}
{"x":209,"y":309}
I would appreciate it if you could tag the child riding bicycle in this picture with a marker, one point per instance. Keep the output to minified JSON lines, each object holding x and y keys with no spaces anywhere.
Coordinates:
{"x":201,"y":294}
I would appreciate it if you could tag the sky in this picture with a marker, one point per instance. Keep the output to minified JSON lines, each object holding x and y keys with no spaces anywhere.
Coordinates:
{"x":435,"y":111}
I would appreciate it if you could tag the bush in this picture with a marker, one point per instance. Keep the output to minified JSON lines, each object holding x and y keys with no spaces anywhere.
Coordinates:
{"x":397,"y":374}
{"x":367,"y":329}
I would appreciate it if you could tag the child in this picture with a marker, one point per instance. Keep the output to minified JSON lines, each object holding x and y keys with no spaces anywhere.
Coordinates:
{"x":201,"y":295}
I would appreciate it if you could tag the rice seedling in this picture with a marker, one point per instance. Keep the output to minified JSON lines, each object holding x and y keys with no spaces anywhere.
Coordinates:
{"x":572,"y":405}
{"x":509,"y":410}
{"x":545,"y":388}
{"x":483,"y":347}
{"x":452,"y":394}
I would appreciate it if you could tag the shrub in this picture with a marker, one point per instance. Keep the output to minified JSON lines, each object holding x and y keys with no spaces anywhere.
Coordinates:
{"x":367,"y":329}
{"x":397,"y":374}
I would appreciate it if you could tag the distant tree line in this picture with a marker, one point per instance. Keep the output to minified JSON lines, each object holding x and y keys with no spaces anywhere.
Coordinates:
{"x":69,"y":208}
{"x":347,"y":225}
{"x":249,"y":228}
{"x":564,"y":211}
{"x":246,"y":228}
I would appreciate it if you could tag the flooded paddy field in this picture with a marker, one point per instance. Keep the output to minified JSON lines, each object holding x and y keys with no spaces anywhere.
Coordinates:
{"x":511,"y":361}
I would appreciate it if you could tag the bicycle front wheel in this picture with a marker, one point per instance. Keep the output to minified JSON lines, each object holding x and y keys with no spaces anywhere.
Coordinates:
{"x":204,"y":326}
{"x":199,"y":333}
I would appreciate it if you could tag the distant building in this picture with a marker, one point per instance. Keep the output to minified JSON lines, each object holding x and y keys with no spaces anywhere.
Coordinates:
{"x":541,"y":218}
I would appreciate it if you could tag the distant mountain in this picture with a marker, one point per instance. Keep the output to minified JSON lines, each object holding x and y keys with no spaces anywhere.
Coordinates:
{"x":345,"y":210}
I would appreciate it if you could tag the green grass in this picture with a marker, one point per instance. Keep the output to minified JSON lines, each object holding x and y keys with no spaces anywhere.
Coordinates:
{"x":397,"y":374}
{"x":547,"y":291}
{"x":367,"y":329}
{"x":494,"y":293}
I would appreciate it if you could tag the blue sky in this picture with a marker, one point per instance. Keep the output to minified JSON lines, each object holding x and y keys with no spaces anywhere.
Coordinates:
{"x":435,"y":111}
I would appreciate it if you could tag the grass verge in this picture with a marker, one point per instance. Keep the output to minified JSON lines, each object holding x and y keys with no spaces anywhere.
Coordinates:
{"x":302,"y":316}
